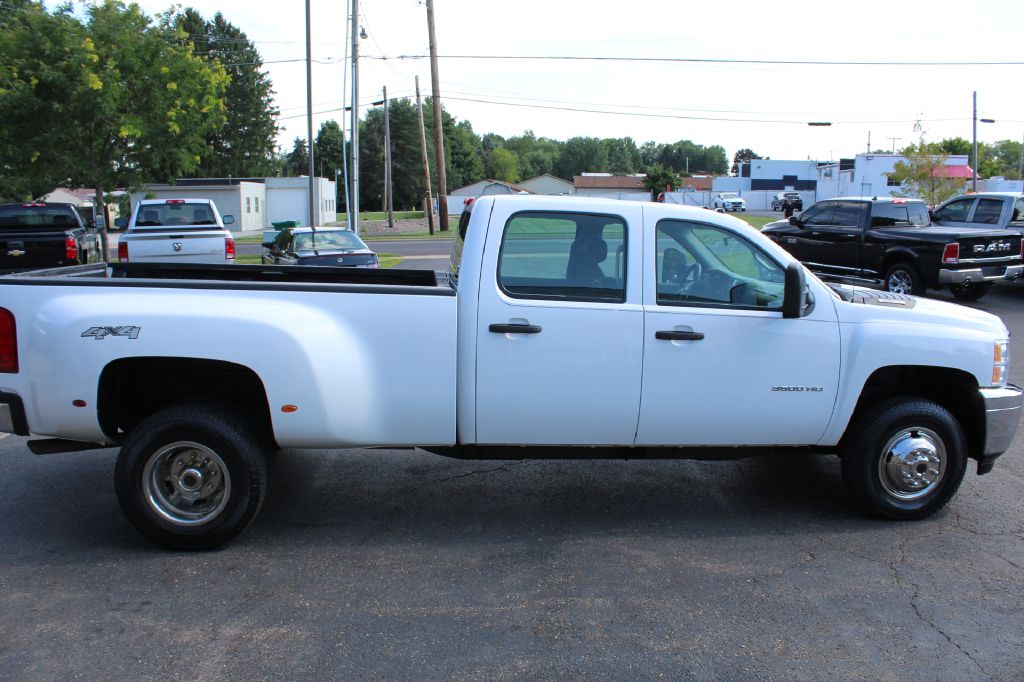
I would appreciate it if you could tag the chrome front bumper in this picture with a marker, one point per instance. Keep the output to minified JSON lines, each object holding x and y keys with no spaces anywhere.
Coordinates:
{"x":978,"y":275}
{"x":1002,"y":412}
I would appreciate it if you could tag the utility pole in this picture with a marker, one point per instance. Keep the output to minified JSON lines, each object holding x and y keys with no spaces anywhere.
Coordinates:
{"x":354,"y":225}
{"x":429,"y":208}
{"x":869,"y":142}
{"x":442,"y":181}
{"x":894,"y":142}
{"x":309,"y":121}
{"x":389,"y":199}
{"x":974,"y":165}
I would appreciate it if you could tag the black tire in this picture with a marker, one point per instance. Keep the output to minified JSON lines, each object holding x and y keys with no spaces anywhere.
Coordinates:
{"x":201,"y":445}
{"x":904,"y":278}
{"x":970,"y":292}
{"x":897,"y":436}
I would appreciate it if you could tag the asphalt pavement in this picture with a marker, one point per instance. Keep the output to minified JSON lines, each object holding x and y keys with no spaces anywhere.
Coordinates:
{"x":398,"y":564}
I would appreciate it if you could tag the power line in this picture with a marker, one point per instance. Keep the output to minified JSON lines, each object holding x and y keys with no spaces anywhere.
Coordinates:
{"x":699,"y":60}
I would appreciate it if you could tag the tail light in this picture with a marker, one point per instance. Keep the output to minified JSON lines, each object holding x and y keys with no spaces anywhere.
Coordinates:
{"x":70,"y":248}
{"x":8,"y":342}
{"x":122,"y":251}
{"x":229,"y":248}
{"x":951,"y":254}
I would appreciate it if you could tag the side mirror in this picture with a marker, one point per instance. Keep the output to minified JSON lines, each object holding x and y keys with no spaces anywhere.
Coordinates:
{"x":795,"y":222}
{"x":793,"y":298}
{"x":267,"y":245}
{"x":121,"y":222}
{"x":228,"y":219}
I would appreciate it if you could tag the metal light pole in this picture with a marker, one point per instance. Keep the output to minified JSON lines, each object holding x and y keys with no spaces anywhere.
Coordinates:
{"x":309,"y":119}
{"x":354,"y":225}
{"x":974,"y":127}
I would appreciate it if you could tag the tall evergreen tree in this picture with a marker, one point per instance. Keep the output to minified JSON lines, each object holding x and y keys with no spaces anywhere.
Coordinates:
{"x":244,"y":147}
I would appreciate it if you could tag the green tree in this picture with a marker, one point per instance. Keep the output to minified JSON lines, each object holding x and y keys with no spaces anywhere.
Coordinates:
{"x":742,"y":156}
{"x":329,"y":149}
{"x":537,"y":156}
{"x":112,"y":100}
{"x":582,"y":155}
{"x":623,"y":156}
{"x":659,"y":177}
{"x":406,"y":159}
{"x":502,"y":164}
{"x":921,"y":174}
{"x":296,"y":162}
{"x":244,"y":147}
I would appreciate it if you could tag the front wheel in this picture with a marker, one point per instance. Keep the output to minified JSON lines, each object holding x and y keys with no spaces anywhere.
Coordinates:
{"x":970,"y":292}
{"x":192,"y":476}
{"x":904,"y":278}
{"x":905,"y":458}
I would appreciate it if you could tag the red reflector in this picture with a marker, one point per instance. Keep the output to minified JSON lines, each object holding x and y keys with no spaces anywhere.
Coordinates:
{"x":8,"y":342}
{"x":122,"y":252}
{"x":70,"y":248}
{"x":468,"y":201}
{"x":951,"y":254}
{"x":78,"y":403}
{"x":175,"y":201}
{"x":229,"y":248}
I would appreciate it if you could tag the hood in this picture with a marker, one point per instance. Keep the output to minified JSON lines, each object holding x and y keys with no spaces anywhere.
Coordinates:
{"x":870,"y":305}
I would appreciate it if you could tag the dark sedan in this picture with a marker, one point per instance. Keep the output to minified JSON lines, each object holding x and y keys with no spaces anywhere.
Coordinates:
{"x":319,"y":246}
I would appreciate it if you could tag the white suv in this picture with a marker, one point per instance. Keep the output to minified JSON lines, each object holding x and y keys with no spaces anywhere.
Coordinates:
{"x":730,"y":201}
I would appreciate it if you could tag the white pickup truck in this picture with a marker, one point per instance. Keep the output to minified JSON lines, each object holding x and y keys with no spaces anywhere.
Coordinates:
{"x":177,"y":231}
{"x":568,"y":327}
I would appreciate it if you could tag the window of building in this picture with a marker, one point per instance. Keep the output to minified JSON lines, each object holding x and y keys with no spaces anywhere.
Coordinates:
{"x":564,"y":256}
{"x":257,"y":204}
{"x":248,"y":205}
{"x":891,"y":181}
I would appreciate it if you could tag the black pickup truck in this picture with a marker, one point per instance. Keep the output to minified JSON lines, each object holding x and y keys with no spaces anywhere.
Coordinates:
{"x":42,"y":235}
{"x":891,"y":242}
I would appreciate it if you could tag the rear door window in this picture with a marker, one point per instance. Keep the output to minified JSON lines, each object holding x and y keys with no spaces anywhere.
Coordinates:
{"x":899,"y":215}
{"x":848,"y":213}
{"x":564,"y":256}
{"x":987,"y":211}
{"x":1017,"y":219}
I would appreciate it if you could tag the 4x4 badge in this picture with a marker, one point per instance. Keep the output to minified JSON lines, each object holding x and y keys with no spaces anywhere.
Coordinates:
{"x":100,"y":333}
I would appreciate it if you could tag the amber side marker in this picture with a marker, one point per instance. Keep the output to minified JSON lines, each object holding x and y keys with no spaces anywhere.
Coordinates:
{"x":289,"y":408}
{"x":78,"y":403}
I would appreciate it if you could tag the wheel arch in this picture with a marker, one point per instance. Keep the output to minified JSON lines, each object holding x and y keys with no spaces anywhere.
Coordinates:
{"x":953,"y":389}
{"x":132,"y":389}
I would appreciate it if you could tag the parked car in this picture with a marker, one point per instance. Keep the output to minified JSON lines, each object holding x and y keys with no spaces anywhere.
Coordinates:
{"x":730,"y":201}
{"x":44,"y":235}
{"x":319,"y":246}
{"x":178,"y":231}
{"x":794,"y":198}
{"x":987,"y":210}
{"x":569,"y":327}
{"x":890,"y":242}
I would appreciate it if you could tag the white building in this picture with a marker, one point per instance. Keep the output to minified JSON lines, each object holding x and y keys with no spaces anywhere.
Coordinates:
{"x":871,"y":175}
{"x":608,"y":186}
{"x":255,"y":203}
{"x":548,"y":184}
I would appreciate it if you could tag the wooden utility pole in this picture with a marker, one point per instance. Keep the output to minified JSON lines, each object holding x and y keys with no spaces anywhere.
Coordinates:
{"x":354,"y":225}
{"x":389,"y":199}
{"x":442,"y":181}
{"x":429,"y":208}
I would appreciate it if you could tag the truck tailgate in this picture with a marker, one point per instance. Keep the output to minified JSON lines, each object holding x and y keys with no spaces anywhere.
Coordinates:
{"x":191,"y":246}
{"x":32,"y":248}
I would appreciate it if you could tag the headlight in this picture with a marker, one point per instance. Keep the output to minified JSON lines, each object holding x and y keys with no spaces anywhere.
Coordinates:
{"x":1000,"y":362}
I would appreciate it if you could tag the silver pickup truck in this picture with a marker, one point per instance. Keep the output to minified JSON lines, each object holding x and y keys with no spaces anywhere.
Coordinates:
{"x":177,"y":231}
{"x":989,"y":210}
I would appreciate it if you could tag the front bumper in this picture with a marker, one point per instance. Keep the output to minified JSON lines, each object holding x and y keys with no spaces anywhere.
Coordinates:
{"x":989,"y":274}
{"x":1002,"y":413}
{"x":12,"y":415}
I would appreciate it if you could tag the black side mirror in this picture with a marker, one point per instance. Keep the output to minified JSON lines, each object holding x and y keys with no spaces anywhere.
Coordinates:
{"x":795,"y":222}
{"x":121,"y":222}
{"x":267,"y":245}
{"x":793,"y":298}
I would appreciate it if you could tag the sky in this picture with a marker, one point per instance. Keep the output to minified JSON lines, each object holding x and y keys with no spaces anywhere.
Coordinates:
{"x":764,"y":107}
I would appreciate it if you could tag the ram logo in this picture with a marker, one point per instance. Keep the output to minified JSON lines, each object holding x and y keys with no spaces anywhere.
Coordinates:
{"x":177,"y":246}
{"x":994,"y":247}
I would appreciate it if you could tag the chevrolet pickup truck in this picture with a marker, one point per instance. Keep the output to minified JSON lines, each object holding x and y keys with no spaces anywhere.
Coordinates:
{"x":887,"y":241}
{"x":566,"y":327}
{"x":38,"y":234}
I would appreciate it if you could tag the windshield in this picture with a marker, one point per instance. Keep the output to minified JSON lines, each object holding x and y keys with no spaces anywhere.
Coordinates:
{"x":159,"y":215}
{"x":340,"y":239}
{"x":37,"y":216}
{"x":728,"y":196}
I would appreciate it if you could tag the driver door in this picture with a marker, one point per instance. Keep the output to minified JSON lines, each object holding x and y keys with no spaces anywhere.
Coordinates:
{"x":721,"y":365}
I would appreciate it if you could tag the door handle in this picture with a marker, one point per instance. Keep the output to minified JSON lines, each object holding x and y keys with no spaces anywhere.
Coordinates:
{"x":679,"y":336}
{"x":515,"y":328}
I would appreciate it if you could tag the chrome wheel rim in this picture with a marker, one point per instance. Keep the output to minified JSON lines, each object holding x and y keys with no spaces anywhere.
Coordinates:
{"x":900,"y":282}
{"x":912,"y":463}
{"x":186,"y":483}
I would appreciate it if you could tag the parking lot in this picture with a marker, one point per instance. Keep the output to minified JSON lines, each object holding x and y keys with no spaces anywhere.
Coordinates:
{"x":398,"y":564}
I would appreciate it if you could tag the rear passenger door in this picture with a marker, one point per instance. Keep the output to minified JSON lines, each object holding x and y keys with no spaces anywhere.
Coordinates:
{"x":560,"y":328}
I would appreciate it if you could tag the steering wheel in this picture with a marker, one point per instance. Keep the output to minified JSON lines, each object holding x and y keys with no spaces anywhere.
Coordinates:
{"x":713,"y":284}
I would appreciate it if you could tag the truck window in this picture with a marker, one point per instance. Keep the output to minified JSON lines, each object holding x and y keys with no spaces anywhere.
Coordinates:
{"x":174,"y":214}
{"x":955,"y":211}
{"x":1017,"y":219}
{"x":819,"y":214}
{"x":564,"y":256}
{"x":912,"y":214}
{"x":848,"y":213}
{"x":987,"y":211}
{"x":16,"y":215}
{"x":702,"y":265}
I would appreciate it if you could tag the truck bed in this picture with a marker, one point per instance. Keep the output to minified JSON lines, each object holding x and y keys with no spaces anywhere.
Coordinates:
{"x":198,"y":275}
